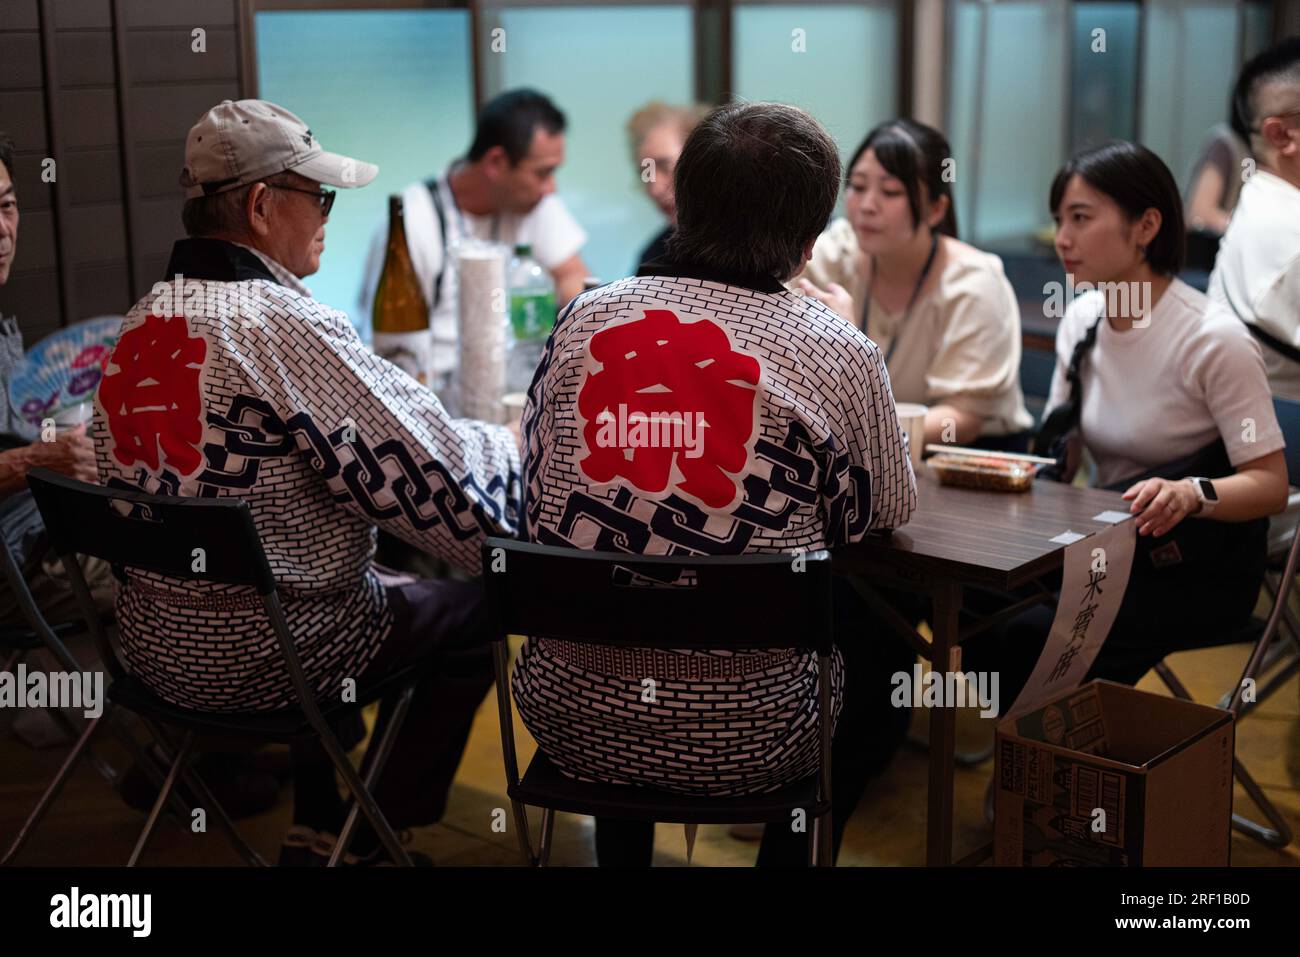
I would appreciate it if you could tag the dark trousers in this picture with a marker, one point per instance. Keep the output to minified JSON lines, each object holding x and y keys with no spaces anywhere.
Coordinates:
{"x":868,"y":733}
{"x":441,"y":626}
{"x":1162,"y":612}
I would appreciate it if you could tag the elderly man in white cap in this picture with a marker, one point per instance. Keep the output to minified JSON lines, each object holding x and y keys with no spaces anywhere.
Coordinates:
{"x":230,"y":379}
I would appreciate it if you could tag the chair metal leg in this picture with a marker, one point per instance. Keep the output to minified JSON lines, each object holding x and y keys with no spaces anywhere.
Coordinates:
{"x":199,"y":788}
{"x":155,"y":770}
{"x":338,"y":757}
{"x":1271,"y":686}
{"x":382,"y":748}
{"x":365,"y":799}
{"x":1279,"y":835}
{"x":51,"y":792}
{"x":106,"y":771}
{"x":1171,"y":681}
{"x":241,"y":846}
{"x":521,"y":832}
{"x":176,"y":769}
{"x":69,"y":726}
{"x":544,"y":847}
{"x":825,"y":840}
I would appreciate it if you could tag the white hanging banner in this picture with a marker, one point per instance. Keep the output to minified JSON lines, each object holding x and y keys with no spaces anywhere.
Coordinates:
{"x":1092,"y":587}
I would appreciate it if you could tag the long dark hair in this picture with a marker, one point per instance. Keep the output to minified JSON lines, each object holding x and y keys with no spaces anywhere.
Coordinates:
{"x":1137,"y":180}
{"x":914,"y":153}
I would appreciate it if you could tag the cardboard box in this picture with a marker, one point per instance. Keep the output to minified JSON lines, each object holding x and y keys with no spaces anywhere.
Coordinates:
{"x":1106,"y":775}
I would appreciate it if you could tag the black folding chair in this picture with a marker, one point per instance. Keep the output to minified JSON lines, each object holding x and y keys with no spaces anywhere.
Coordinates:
{"x":666,"y":602}
{"x":1279,"y":835}
{"x":1278,"y":642}
{"x":160,"y":534}
{"x":1288,"y":417}
{"x":16,"y":643}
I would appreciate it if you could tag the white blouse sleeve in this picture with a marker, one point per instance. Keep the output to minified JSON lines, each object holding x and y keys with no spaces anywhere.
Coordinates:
{"x":977,"y":359}
{"x":1227,"y":368}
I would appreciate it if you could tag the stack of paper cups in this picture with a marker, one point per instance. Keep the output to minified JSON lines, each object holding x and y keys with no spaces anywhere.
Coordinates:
{"x":482,"y":333}
{"x":911,"y":416}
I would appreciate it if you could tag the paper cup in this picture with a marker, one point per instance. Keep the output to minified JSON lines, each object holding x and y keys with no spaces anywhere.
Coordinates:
{"x":911,"y":416}
{"x":73,"y":416}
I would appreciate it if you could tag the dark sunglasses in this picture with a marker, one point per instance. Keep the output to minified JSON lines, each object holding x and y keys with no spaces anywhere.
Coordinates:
{"x":324,"y":196}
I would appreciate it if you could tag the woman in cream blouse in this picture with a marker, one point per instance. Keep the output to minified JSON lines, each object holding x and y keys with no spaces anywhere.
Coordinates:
{"x":941,"y":311}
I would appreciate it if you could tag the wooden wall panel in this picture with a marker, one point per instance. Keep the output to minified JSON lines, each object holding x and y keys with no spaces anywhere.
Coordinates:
{"x":113,"y":86}
{"x":158,"y":169}
{"x":33,"y":296}
{"x":93,"y":175}
{"x":166,"y":56}
{"x":182,"y":13}
{"x":81,"y":14}
{"x":86,"y":117}
{"x":34,"y":195}
{"x":21,"y":15}
{"x":85,"y":58}
{"x":168,"y":112}
{"x":24,"y":117}
{"x":36,"y":248}
{"x":21,"y":55}
{"x":103,"y":290}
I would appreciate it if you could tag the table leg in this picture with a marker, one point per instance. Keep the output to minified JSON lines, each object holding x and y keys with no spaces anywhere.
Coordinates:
{"x":945,"y":655}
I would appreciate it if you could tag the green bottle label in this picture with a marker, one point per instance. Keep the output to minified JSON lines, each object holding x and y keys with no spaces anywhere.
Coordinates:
{"x":532,"y":315}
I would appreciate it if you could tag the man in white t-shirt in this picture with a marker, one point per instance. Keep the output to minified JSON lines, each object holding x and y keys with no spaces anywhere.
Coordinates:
{"x":502,"y":190}
{"x":1257,"y":273}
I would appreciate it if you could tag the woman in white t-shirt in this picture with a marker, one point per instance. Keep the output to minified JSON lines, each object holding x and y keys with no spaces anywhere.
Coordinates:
{"x":942,"y":311}
{"x":1170,"y":398}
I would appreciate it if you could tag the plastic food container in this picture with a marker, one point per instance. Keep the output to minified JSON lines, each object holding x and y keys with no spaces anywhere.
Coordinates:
{"x":988,"y":473}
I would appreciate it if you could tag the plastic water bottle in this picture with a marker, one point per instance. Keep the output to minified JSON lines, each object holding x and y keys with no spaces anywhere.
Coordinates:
{"x":532,"y":316}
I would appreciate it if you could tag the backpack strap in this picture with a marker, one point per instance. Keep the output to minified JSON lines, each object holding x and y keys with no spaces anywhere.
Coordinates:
{"x":432,"y":186}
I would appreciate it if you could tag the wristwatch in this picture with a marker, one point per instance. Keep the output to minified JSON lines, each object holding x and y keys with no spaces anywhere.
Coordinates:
{"x":1206,"y":494}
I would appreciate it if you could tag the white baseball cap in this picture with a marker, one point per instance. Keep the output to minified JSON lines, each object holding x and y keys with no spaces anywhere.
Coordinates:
{"x":243,"y":141}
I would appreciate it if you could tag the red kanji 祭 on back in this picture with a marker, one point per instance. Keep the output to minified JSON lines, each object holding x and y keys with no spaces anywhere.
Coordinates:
{"x":150,"y":393}
{"x":682,"y":413}
{"x":260,"y":392}
{"x":670,"y":406}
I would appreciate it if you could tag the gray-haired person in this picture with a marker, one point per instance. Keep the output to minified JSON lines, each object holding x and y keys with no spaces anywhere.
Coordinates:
{"x":269,"y":395}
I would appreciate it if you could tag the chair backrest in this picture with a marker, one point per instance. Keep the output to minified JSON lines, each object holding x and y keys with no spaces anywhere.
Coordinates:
{"x":200,"y":539}
{"x":641,"y":601}
{"x":1288,"y":417}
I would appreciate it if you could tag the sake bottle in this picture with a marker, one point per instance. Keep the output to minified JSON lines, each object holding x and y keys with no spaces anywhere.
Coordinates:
{"x":400,"y":314}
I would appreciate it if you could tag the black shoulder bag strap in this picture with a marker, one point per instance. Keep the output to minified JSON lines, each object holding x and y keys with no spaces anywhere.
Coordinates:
{"x":1061,"y":423}
{"x":1194,"y":543}
{"x":432,"y":186}
{"x":1272,"y":341}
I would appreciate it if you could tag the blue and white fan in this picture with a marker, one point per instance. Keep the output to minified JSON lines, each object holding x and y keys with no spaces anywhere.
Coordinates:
{"x":63,"y":370}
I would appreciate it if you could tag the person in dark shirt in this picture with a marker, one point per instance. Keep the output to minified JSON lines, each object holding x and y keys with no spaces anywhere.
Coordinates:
{"x":656,"y":133}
